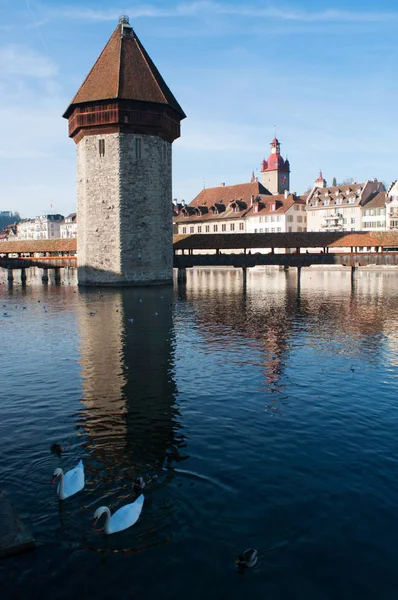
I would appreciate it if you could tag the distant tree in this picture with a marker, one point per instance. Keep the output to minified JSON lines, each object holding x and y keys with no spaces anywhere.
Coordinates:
{"x":334,"y":182}
{"x":346,"y":181}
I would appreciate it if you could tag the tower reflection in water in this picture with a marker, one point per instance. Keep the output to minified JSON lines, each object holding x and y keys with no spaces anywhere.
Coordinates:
{"x":129,"y":391}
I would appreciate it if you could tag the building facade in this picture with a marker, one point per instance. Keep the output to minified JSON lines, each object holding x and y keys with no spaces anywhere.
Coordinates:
{"x":340,"y":208}
{"x":43,"y":227}
{"x":123,"y":120}
{"x":68,"y":227}
{"x":242,"y":208}
{"x":392,"y":207}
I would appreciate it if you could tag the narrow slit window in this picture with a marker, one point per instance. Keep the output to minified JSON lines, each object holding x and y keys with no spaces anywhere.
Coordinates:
{"x":138,"y":147}
{"x":101,"y":147}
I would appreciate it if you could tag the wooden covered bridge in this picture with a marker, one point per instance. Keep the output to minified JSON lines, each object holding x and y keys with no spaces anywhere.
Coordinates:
{"x":240,"y":250}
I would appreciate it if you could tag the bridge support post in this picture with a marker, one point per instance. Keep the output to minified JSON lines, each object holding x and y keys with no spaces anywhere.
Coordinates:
{"x":353,"y":273}
{"x":44,"y":276}
{"x":299,"y":275}
{"x":23,"y":276}
{"x":244,"y":271}
{"x":57,"y":275}
{"x":182,"y":275}
{"x":10,"y":276}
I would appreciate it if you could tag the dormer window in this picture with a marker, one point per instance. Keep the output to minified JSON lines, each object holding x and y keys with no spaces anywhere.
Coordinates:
{"x":273,"y":206}
{"x":255,"y":208}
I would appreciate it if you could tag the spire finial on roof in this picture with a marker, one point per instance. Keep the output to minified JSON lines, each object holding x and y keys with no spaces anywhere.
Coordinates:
{"x":124,"y":19}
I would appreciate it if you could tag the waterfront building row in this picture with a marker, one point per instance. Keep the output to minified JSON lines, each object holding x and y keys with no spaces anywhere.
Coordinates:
{"x":43,"y":227}
{"x":269,"y":207}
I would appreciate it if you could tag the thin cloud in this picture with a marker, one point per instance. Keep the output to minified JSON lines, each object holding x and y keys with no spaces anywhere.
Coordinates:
{"x":23,"y":61}
{"x":208,"y":8}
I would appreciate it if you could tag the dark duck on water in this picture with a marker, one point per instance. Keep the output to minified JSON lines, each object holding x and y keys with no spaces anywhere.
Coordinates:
{"x":247,"y":559}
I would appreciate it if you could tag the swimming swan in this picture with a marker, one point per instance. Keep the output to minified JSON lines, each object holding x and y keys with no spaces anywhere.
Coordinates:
{"x":71,"y":482}
{"x":123,"y":518}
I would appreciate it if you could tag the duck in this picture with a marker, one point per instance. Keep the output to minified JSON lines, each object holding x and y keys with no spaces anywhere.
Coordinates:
{"x":122,"y":519}
{"x":247,"y":559}
{"x":139,"y":484}
{"x":56,"y":449}
{"x":71,"y":482}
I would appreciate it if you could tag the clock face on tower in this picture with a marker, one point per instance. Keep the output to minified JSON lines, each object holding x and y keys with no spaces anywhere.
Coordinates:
{"x":283,"y":179}
{"x":273,"y":150}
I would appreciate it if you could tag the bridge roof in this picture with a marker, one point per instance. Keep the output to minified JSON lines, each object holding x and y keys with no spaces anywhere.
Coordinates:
{"x":307,"y":239}
{"x":57,"y":245}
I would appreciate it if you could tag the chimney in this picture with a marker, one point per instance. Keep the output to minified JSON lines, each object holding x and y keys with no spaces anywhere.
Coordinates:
{"x":286,"y":194}
{"x":251,"y":200}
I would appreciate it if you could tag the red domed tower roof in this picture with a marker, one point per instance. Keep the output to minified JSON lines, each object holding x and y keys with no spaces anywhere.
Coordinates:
{"x":275,"y":160}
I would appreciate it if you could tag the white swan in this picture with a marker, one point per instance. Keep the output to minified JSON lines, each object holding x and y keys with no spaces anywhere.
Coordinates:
{"x":71,"y":482}
{"x":123,"y":518}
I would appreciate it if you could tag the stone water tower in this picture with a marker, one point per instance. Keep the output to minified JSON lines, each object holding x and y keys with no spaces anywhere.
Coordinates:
{"x":124,"y":119}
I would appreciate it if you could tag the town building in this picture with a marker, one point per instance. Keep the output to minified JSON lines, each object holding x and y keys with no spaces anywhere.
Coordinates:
{"x":374,"y":213}
{"x":275,"y":172}
{"x":340,"y":207}
{"x":220,"y":209}
{"x":68,"y":227}
{"x":392,"y":207}
{"x":278,"y":213}
{"x":123,"y":120}
{"x":242,"y":208}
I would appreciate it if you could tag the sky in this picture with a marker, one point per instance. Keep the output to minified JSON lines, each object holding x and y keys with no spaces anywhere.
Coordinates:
{"x":323,"y":74}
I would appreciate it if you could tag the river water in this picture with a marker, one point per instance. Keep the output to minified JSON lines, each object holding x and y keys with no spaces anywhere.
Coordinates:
{"x":262,"y":417}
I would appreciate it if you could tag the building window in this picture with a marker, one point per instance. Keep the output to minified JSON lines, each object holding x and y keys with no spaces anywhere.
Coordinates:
{"x":232,"y":227}
{"x":255,"y":231}
{"x":224,"y":227}
{"x":279,"y":229}
{"x":278,"y":218}
{"x":241,"y":226}
{"x":191,"y":229}
{"x":138,"y":147}
{"x":273,"y":229}
{"x":207,"y":228}
{"x":352,"y":220}
{"x":290,"y":229}
{"x":101,"y":147}
{"x":184,"y":230}
{"x":299,"y":219}
{"x":290,"y":218}
{"x":260,"y":219}
{"x":215,"y":228}
{"x":199,"y":228}
{"x":272,"y":218}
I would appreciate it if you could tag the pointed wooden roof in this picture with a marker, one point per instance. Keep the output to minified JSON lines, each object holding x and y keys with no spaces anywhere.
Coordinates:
{"x":124,"y":70}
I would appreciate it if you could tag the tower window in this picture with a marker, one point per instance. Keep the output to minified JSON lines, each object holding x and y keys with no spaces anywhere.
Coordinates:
{"x":138,"y":147}
{"x":101,"y":147}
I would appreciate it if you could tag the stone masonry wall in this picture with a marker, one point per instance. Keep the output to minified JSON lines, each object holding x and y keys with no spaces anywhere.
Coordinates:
{"x":98,"y":210}
{"x":146,"y":199}
{"x":124,"y":210}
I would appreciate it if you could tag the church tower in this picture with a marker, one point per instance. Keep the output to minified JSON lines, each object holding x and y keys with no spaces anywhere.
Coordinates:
{"x":123,"y":120}
{"x":275,"y":172}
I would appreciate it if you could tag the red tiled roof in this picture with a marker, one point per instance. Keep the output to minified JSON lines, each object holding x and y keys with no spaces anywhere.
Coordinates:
{"x":307,"y":239}
{"x":124,"y":70}
{"x":377,"y":200}
{"x":57,"y":245}
{"x":282,"y":204}
{"x":224,"y":195}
